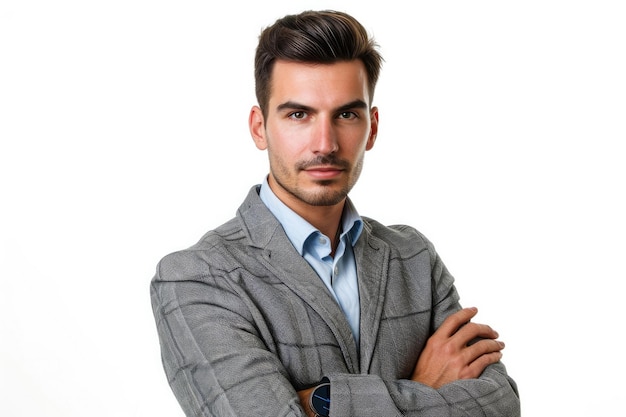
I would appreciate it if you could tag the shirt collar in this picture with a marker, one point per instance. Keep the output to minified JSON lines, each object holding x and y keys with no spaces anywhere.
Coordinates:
{"x":298,"y":230}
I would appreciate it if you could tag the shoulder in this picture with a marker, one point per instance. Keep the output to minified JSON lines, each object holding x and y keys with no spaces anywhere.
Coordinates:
{"x":225,"y":248}
{"x":397,"y":236}
{"x":211,"y":253}
{"x":401,"y":240}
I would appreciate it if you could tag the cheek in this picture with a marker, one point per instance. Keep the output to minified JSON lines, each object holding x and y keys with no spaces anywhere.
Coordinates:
{"x":286,"y":144}
{"x":281,"y":156}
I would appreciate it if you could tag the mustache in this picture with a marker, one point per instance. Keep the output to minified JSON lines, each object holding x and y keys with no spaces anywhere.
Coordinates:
{"x":324,"y":160}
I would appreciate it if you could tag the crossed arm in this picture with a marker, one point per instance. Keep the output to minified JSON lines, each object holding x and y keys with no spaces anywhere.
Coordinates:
{"x":459,"y":349}
{"x":222,"y":357}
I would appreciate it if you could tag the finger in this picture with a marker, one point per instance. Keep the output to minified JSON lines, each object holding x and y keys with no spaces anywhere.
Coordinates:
{"x":482,"y":348}
{"x":476,"y":368}
{"x":452,"y":323}
{"x":472,"y":332}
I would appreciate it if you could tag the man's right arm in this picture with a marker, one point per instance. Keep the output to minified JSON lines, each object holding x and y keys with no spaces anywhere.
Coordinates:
{"x":214,"y":361}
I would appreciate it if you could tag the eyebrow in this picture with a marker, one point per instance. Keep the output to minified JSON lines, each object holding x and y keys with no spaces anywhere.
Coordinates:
{"x":292,"y":105}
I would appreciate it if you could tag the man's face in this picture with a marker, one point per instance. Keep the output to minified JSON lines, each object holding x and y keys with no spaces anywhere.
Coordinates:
{"x":317,"y":130}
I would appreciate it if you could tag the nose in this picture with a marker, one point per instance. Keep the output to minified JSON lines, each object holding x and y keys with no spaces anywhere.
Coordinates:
{"x":324,"y":141}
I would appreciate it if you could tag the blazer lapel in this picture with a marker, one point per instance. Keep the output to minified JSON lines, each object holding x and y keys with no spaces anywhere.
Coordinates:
{"x":372,"y":256}
{"x":280,"y":257}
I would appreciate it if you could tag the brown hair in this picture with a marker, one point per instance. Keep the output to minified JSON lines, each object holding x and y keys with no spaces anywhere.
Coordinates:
{"x":313,"y":37}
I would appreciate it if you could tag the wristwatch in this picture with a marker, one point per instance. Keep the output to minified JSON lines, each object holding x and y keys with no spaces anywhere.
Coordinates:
{"x":320,"y":399}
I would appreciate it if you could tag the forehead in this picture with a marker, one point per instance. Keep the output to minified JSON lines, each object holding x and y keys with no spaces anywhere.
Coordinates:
{"x":319,"y":85}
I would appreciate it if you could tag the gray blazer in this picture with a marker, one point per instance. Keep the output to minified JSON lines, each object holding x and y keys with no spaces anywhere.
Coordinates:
{"x":244,"y":322}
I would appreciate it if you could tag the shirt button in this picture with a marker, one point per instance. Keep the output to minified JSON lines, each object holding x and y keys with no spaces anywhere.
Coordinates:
{"x":336,"y":271}
{"x":322,"y":241}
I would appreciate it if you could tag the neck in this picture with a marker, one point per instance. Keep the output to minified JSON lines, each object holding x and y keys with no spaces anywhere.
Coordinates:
{"x":326,"y":219}
{"x":329,"y":224}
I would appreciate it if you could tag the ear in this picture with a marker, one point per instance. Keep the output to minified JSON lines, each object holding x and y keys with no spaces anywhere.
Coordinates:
{"x":256,"y":124}
{"x":373,"y":128}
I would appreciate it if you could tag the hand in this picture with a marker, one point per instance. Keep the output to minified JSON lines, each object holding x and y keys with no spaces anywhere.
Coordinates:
{"x":450,"y":355}
{"x":304,"y":395}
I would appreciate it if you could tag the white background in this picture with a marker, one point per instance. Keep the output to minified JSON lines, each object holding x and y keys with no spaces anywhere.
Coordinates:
{"x":123,"y":128}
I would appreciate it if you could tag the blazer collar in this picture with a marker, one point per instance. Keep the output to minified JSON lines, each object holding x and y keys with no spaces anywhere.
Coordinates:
{"x":258,"y":223}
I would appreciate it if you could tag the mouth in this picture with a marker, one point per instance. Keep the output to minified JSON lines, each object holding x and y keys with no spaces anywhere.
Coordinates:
{"x":324,"y":168}
{"x":324,"y":172}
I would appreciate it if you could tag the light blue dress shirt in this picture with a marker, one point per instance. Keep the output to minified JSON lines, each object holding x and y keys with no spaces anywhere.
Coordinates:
{"x":338,"y":273}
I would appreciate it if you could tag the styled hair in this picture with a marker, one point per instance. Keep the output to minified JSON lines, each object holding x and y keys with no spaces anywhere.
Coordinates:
{"x":321,"y":37}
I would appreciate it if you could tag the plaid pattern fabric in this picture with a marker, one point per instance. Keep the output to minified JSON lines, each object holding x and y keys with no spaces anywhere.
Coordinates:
{"x":244,"y":322}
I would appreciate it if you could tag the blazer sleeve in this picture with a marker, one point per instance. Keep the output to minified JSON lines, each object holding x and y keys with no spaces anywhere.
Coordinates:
{"x":214,"y":361}
{"x":491,"y":395}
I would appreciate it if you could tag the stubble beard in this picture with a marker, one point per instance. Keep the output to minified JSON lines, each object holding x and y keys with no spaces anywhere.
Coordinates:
{"x":323,"y":193}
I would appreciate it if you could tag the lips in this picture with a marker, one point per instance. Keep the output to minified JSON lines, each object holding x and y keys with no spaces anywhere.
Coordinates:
{"x":326,"y":167}
{"x":324,"y":172}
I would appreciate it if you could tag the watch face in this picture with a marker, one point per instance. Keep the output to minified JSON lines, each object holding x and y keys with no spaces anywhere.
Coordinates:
{"x":320,"y":400}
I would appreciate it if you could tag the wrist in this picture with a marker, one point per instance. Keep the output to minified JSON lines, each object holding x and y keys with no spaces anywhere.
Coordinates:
{"x":319,"y":399}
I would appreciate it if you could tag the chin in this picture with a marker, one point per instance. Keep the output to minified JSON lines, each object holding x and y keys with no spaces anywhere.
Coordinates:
{"x":324,"y":197}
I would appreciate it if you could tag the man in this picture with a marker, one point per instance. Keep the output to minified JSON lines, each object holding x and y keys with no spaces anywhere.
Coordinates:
{"x":299,"y":305}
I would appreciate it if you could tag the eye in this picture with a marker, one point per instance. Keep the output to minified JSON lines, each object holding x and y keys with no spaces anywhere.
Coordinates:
{"x":348,"y":115}
{"x":297,"y":115}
